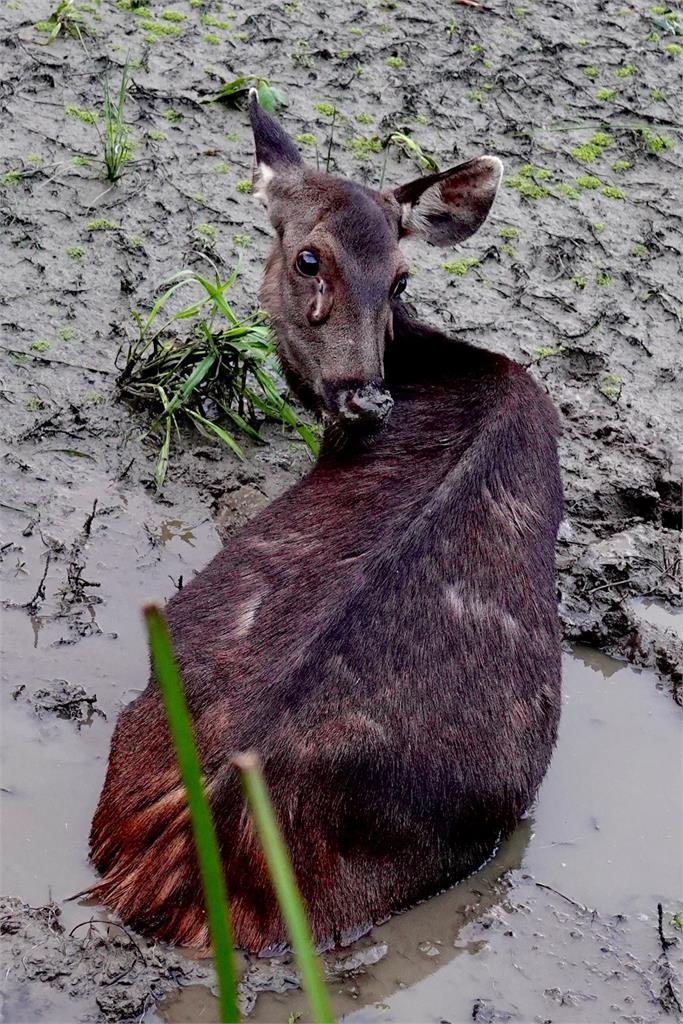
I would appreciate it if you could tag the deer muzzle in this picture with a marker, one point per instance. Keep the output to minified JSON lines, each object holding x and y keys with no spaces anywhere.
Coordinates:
{"x":365,"y":406}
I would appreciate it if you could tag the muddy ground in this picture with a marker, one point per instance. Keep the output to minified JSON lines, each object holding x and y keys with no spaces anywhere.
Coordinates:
{"x":576,"y":274}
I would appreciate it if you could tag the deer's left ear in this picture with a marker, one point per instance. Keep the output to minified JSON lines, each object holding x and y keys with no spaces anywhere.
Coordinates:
{"x":448,"y":207}
{"x":276,"y":154}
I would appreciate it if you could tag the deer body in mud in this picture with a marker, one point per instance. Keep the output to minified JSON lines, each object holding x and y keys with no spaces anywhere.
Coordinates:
{"x":385,"y":634}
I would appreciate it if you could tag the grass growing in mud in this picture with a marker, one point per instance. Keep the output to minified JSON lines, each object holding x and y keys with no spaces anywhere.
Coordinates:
{"x":208,"y":856}
{"x":220,"y":377}
{"x":115,"y":138}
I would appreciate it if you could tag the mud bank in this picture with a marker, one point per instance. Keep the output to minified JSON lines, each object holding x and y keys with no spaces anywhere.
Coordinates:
{"x":575,"y":274}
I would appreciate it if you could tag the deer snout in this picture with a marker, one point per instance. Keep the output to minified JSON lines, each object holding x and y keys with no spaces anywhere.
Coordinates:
{"x":368,"y":405}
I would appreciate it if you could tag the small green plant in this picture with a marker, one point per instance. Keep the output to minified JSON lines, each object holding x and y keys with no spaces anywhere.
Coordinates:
{"x":156,"y":135}
{"x":507,"y":231}
{"x":622,"y":165}
{"x":603,"y":279}
{"x":461,"y":265}
{"x":117,"y":148}
{"x":326,"y":109}
{"x":612,"y":192}
{"x":306,"y":139}
{"x":244,"y":186}
{"x":221,"y":362}
{"x":674,"y":49}
{"x":625,"y":71}
{"x":75,"y":252}
{"x":86,"y":116}
{"x":102,"y":224}
{"x":173,"y":116}
{"x":591,"y":72}
{"x":579,"y":281}
{"x":528,"y":181}
{"x":65,"y":20}
{"x":588,"y":181}
{"x":547,"y":351}
{"x":604,"y":95}
{"x":653,"y":142}
{"x":394,"y":62}
{"x":611,"y":387}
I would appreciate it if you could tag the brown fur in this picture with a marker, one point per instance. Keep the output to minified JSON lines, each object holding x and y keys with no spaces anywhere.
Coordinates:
{"x":384,"y":635}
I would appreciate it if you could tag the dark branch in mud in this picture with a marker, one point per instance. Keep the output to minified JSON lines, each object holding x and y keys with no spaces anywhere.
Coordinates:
{"x":574,"y":903}
{"x":33,"y":606}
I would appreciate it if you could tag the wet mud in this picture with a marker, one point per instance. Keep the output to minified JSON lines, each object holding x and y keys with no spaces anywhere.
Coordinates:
{"x":576,"y":274}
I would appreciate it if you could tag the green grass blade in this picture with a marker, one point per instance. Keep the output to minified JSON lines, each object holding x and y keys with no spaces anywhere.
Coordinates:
{"x":193,"y":381}
{"x":162,"y":461}
{"x":208,"y":856}
{"x":286,"y":889}
{"x":225,"y":437}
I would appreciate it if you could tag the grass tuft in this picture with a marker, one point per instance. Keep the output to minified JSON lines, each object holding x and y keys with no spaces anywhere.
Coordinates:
{"x":117,"y":148}
{"x":220,"y":375}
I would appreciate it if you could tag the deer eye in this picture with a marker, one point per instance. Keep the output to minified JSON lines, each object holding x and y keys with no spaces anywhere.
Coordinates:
{"x":399,"y":286}
{"x":307,"y":263}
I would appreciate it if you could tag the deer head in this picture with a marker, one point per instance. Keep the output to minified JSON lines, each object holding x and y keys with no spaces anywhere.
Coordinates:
{"x":336,"y":266}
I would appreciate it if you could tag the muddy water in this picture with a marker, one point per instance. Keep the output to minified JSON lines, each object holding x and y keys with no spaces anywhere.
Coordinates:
{"x":606,"y":831}
{"x":52,"y":769}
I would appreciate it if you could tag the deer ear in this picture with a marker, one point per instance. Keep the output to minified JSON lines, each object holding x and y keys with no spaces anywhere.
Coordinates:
{"x":276,"y":154}
{"x":447,"y":208}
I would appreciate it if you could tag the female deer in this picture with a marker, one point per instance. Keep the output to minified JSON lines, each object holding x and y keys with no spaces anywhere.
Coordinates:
{"x":385,"y":634}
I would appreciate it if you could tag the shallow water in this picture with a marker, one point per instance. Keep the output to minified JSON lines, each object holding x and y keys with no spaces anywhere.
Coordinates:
{"x":605,"y":832}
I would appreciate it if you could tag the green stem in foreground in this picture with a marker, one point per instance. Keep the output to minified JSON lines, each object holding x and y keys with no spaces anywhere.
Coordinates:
{"x":208,"y":856}
{"x":286,"y":890}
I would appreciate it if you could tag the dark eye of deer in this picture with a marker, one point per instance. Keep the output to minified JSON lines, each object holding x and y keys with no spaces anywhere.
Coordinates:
{"x":400,"y":286}
{"x":307,"y":263}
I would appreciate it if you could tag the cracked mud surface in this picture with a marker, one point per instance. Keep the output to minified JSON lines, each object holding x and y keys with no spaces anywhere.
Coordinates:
{"x":576,"y":274}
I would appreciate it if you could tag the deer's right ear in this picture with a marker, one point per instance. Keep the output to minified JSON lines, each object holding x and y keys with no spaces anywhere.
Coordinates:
{"x":276,"y":154}
{"x":447,"y":207}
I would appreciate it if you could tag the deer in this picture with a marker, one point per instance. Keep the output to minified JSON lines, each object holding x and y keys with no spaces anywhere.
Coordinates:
{"x":385,"y":634}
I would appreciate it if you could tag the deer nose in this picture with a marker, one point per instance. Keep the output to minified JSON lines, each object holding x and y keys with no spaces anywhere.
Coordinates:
{"x":366,"y":405}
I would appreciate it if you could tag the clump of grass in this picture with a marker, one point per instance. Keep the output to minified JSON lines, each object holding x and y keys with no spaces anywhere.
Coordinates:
{"x":461,"y":265}
{"x":206,"y":845}
{"x":65,"y":20}
{"x":604,"y":95}
{"x":219,"y":377}
{"x":117,"y":148}
{"x":102,"y":224}
{"x":653,"y":142}
{"x":86,"y":116}
{"x":589,"y":181}
{"x":611,"y":387}
{"x":528,"y":181}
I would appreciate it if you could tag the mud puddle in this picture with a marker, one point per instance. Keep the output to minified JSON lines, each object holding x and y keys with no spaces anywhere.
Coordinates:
{"x":54,"y":746}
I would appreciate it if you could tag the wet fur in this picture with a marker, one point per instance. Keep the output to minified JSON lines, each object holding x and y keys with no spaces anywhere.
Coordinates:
{"x":385,"y":636}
